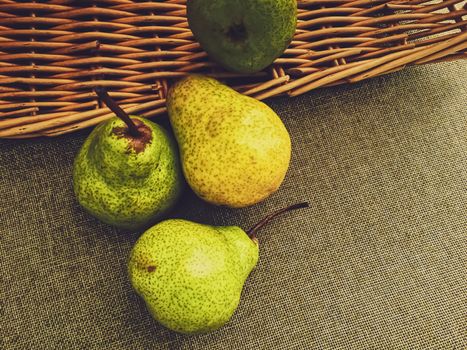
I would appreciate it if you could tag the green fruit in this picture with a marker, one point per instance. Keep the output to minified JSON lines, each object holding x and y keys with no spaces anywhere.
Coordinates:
{"x":124,"y":179}
{"x":191,"y":275}
{"x":235,"y":150}
{"x":245,"y":36}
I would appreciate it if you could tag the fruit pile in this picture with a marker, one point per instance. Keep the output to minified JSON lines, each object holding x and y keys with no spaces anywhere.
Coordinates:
{"x":232,"y":150}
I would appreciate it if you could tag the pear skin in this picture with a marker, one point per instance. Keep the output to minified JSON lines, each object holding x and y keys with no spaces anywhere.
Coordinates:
{"x":235,"y":150}
{"x":127,"y":172}
{"x":243,"y":36}
{"x":191,"y":275}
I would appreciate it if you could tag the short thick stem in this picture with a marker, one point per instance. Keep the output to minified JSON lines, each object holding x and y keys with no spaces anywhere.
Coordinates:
{"x":253,"y":231}
{"x":114,"y":107}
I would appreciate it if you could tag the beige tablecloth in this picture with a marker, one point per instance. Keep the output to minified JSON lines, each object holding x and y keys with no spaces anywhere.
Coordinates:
{"x":377,"y":262}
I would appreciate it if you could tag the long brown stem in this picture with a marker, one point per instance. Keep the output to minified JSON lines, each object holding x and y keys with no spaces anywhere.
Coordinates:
{"x":252,"y":232}
{"x":114,"y":107}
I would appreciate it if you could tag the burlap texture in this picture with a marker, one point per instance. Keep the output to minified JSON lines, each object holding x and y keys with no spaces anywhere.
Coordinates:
{"x":377,"y":262}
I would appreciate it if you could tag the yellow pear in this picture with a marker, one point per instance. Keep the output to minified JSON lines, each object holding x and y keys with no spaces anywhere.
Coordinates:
{"x":235,"y":150}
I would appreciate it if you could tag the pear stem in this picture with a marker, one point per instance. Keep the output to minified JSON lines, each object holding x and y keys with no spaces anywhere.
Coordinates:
{"x":119,"y":112}
{"x":252,"y":231}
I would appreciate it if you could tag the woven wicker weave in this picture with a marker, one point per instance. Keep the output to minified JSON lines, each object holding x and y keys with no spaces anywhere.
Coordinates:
{"x":52,"y":54}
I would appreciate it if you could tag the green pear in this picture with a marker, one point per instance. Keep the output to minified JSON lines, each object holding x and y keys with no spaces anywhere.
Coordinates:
{"x":191,"y":275}
{"x":127,"y":172}
{"x":235,"y":150}
{"x":244,"y":36}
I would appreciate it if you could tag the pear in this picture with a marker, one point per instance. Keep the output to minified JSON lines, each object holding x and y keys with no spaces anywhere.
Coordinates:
{"x":127,"y":172}
{"x":235,"y":150}
{"x":244,"y":36}
{"x":191,"y":275}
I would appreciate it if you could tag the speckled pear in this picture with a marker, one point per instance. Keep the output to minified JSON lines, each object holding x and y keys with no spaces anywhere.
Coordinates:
{"x":191,"y":275}
{"x":235,"y":150}
{"x":127,"y":175}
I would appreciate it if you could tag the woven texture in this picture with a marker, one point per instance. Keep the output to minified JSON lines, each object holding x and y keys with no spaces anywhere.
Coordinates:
{"x":54,"y":53}
{"x":377,"y":262}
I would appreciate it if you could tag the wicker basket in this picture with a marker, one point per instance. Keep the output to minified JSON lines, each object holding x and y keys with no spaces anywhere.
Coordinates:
{"x":53,"y":53}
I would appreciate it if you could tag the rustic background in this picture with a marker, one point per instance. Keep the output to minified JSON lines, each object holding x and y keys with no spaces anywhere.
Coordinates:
{"x":54,"y":53}
{"x":377,"y":262}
